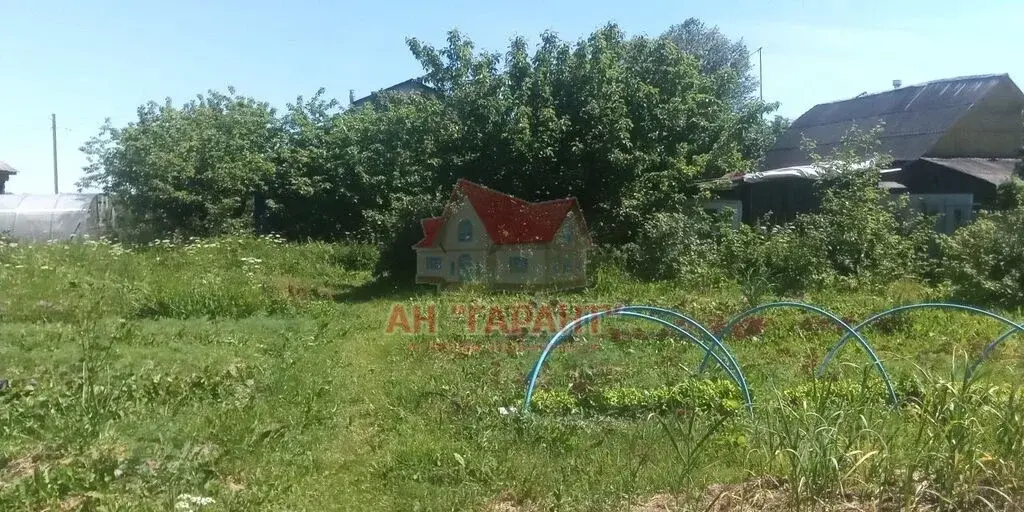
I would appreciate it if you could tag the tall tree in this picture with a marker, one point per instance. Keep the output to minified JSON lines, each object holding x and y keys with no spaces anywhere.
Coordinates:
{"x":605,"y":119}
{"x":189,"y":170}
{"x":337,"y":174}
{"x":717,"y":53}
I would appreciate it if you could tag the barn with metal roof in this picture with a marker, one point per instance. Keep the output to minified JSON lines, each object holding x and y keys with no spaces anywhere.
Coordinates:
{"x":951,"y":142}
{"x":975,"y":117}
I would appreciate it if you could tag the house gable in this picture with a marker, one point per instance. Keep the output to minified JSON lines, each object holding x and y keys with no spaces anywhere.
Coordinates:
{"x":460,"y":214}
{"x":993,"y":128}
{"x":411,"y":86}
{"x":572,"y":234}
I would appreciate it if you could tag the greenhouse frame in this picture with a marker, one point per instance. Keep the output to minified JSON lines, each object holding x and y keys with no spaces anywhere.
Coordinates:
{"x":54,"y":217}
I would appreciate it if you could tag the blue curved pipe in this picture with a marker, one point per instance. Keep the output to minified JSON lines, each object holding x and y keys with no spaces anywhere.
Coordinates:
{"x":711,"y":337}
{"x":850,"y":331}
{"x":1014,"y":327}
{"x":989,"y":348}
{"x":625,"y":311}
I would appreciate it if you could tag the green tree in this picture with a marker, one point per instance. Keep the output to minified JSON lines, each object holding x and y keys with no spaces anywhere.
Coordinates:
{"x":860,"y":230}
{"x":607,"y":119}
{"x":717,"y":54}
{"x":191,"y":170}
{"x":338,"y":172}
{"x":984,"y":261}
{"x":625,"y":124}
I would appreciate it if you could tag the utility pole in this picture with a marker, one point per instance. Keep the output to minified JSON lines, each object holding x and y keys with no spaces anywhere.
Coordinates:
{"x":53,"y":126}
{"x":760,"y":70}
{"x":760,"y":73}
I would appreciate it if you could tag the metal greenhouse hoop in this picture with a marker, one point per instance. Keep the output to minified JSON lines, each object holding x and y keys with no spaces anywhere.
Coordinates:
{"x":736,"y":375}
{"x":850,"y":331}
{"x":1014,"y":327}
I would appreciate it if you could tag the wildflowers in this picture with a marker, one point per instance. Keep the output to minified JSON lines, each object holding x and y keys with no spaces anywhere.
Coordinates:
{"x":189,"y":503}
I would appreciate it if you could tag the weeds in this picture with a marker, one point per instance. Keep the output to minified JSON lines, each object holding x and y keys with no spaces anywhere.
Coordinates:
{"x":235,"y":370}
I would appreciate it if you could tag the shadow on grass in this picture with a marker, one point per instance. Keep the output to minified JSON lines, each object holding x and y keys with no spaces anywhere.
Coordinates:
{"x":378,"y":289}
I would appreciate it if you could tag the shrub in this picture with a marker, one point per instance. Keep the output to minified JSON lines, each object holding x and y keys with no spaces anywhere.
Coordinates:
{"x":771,"y":259}
{"x":1010,"y":194}
{"x":857,"y":234}
{"x":358,"y":257}
{"x":858,"y":231}
{"x":675,"y":246}
{"x":984,"y":261}
{"x":400,"y":230}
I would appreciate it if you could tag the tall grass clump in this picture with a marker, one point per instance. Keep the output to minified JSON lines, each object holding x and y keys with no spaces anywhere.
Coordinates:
{"x":227,"y":277}
{"x":950,"y":449}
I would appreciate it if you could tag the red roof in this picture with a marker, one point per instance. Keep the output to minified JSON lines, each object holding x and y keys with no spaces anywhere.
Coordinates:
{"x":430,"y":228}
{"x":508,"y":220}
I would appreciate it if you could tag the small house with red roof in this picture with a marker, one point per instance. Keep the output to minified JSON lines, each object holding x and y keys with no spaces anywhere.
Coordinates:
{"x":486,"y":236}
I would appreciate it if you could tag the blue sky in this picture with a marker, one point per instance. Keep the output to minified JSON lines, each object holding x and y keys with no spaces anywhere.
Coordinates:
{"x":86,"y":61}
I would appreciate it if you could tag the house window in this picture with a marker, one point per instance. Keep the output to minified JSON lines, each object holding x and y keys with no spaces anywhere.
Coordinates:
{"x":465,"y":231}
{"x":433,"y":263}
{"x":466,"y":267}
{"x":517,"y":264}
{"x":566,"y":235}
{"x":555,"y":267}
{"x":568,"y":265}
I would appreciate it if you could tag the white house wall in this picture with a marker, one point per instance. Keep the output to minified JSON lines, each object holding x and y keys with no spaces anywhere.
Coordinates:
{"x":536,"y":256}
{"x":422,"y":256}
{"x":566,"y":264}
{"x":476,"y":248}
{"x":449,"y":234}
{"x":572,"y":252}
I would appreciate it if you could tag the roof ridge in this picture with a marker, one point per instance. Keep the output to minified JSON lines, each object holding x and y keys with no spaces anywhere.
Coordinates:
{"x":464,"y":181}
{"x":918,"y":85}
{"x":559,"y":200}
{"x":962,"y":78}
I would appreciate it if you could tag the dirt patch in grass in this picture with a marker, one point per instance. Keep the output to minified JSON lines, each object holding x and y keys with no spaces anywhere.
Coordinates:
{"x":505,"y":503}
{"x":73,"y":503}
{"x":761,"y":495}
{"x":21,"y":467}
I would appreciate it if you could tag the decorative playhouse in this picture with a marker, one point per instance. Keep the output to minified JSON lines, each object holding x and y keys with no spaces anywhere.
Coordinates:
{"x":486,"y":236}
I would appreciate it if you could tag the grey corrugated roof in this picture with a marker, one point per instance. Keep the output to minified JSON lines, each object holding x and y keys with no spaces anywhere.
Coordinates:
{"x":915,"y":118}
{"x":6,"y":168}
{"x":992,"y":170}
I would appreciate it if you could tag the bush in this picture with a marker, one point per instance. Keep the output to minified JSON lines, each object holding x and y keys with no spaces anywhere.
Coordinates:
{"x":356,"y":257}
{"x":984,"y":261}
{"x":774,"y":260}
{"x":858,"y":230}
{"x":857,"y":235}
{"x":1010,"y":194}
{"x":675,"y":246}
{"x":402,"y":228}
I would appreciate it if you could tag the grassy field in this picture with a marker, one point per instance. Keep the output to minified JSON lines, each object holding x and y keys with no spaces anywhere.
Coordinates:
{"x":261,"y":376}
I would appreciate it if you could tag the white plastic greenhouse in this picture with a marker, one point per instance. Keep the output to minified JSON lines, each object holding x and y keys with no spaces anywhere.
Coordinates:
{"x":41,"y":218}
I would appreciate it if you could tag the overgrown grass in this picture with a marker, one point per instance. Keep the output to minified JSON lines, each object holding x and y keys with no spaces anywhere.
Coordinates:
{"x":260,"y":375}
